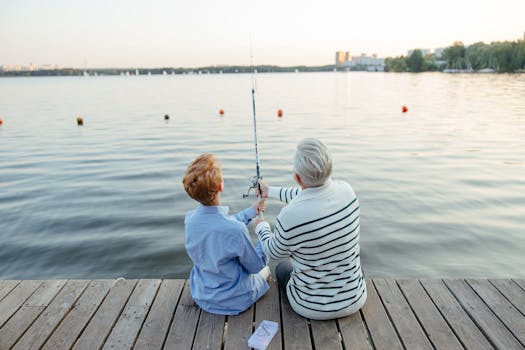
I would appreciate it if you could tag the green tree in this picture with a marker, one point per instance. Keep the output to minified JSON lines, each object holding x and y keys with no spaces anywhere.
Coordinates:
{"x":455,"y":55}
{"x":397,"y":64}
{"x":415,"y":61}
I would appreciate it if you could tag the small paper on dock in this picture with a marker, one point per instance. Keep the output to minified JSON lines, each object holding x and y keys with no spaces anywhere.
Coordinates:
{"x":263,"y":335}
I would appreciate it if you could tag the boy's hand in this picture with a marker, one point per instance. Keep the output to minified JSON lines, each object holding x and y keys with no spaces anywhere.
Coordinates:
{"x":259,"y":206}
{"x":264,"y":189}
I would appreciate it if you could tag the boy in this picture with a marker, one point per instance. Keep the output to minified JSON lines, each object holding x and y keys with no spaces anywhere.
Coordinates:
{"x":229,"y":274}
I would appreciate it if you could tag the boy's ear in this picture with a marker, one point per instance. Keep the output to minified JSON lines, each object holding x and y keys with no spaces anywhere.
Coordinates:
{"x":221,"y":186}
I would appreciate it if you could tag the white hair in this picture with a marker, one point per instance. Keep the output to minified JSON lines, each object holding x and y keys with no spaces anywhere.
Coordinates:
{"x":312,"y":162}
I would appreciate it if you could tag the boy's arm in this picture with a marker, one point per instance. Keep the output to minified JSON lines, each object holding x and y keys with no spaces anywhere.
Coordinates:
{"x":246,"y":215}
{"x":251,"y":258}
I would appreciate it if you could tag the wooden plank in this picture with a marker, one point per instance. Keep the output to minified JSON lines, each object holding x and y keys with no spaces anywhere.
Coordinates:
{"x":12,"y":301}
{"x":296,"y":333}
{"x":408,"y":328}
{"x":501,"y":307}
{"x":460,"y":322}
{"x":69,"y":329}
{"x":209,"y":331}
{"x":498,"y":334}
{"x":512,"y":292}
{"x":156,"y":327}
{"x":239,"y":328}
{"x":48,"y":320}
{"x":102,"y":322}
{"x":269,"y":308}
{"x":182,"y":331}
{"x":353,"y":332}
{"x":325,"y":335}
{"x":438,"y":331}
{"x":520,"y":282}
{"x":130,"y":322}
{"x":381,"y":329}
{"x":25,"y":316}
{"x":6,"y":287}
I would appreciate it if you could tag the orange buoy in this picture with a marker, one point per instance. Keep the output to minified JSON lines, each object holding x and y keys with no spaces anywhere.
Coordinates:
{"x":80,"y":121}
{"x":221,"y":111}
{"x":1,"y":121}
{"x":404,"y":109}
{"x":280,"y":113}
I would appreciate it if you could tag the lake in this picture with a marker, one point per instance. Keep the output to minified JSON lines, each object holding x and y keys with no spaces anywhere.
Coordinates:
{"x":441,"y":187}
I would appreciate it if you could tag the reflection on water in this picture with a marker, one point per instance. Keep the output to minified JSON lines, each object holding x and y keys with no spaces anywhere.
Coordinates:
{"x":442,"y":187}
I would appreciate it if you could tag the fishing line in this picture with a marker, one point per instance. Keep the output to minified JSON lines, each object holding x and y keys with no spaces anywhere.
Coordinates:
{"x":255,"y":180}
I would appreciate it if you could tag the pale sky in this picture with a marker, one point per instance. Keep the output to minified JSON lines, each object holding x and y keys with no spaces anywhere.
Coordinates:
{"x":156,"y":33}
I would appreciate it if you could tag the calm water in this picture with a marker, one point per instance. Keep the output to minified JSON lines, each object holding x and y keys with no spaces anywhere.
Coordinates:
{"x":442,"y":187}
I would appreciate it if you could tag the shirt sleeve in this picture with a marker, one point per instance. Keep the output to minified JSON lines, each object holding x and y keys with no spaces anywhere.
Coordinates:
{"x":246,"y":215}
{"x":283,"y":194}
{"x":249,"y":256}
{"x":271,"y":242}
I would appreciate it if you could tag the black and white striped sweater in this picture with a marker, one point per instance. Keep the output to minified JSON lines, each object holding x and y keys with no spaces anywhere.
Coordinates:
{"x":319,"y":232}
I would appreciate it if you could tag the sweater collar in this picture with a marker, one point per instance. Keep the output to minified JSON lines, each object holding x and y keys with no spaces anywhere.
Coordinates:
{"x":318,"y":188}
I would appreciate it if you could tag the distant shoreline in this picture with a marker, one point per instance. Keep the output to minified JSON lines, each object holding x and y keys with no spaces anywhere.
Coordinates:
{"x":168,"y":71}
{"x":197,"y":71}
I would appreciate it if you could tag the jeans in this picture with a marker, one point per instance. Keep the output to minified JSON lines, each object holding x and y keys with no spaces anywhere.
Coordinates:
{"x":283,"y":271}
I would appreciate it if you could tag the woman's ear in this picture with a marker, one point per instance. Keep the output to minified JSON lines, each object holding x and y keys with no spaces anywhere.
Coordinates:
{"x":298,"y":180}
{"x":221,"y":186}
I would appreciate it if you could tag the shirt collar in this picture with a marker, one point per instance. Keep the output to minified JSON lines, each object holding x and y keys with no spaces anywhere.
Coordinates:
{"x":213,"y":209}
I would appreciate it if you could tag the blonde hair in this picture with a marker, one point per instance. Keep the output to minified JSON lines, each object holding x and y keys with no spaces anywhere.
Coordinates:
{"x":203,"y":178}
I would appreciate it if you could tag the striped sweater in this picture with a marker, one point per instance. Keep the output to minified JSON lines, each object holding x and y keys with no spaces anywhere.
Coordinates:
{"x":319,"y":232}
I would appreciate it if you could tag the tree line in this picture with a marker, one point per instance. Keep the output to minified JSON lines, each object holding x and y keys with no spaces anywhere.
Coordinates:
{"x":501,"y":56}
{"x":166,"y":70}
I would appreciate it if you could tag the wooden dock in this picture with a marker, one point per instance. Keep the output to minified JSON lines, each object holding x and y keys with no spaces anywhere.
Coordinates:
{"x":160,"y":314}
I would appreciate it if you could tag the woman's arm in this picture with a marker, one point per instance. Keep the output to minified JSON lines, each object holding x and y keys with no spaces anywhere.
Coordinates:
{"x":283,"y":194}
{"x":272,"y":243}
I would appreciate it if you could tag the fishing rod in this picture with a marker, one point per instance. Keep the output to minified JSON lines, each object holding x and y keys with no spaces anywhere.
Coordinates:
{"x":255,"y":180}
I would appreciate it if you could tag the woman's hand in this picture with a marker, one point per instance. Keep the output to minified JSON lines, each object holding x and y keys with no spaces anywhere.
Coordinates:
{"x":263,"y":186}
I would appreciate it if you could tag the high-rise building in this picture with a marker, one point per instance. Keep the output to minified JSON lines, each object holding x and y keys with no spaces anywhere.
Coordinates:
{"x":340,"y":58}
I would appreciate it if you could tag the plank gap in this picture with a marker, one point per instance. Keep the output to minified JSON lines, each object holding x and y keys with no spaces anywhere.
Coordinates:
{"x":172,"y":318}
{"x":443,"y":315}
{"x":388,"y":314}
{"x":494,"y":312}
{"x":115,"y":321}
{"x":415,"y":314}
{"x":146,"y":314}
{"x":340,"y":334}
{"x":366,"y":329}
{"x":91,"y":317}
{"x":481,"y":329}
{"x":507,"y":298}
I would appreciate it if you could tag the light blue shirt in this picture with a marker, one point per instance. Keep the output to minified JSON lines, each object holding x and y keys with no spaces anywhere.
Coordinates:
{"x":224,"y":279}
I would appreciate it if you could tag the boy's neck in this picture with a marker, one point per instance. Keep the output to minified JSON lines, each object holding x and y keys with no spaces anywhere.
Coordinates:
{"x":216,"y":201}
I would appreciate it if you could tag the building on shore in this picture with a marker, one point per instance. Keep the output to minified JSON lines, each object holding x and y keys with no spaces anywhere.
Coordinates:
{"x":27,"y":68}
{"x":341,"y":57}
{"x":362,"y":62}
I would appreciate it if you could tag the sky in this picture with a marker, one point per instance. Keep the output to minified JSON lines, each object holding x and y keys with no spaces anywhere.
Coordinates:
{"x":161,"y":33}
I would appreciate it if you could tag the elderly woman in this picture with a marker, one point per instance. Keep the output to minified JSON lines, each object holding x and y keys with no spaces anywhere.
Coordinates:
{"x":317,"y":234}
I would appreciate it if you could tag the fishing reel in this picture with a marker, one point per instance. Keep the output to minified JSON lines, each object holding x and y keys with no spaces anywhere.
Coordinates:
{"x":255,"y":185}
